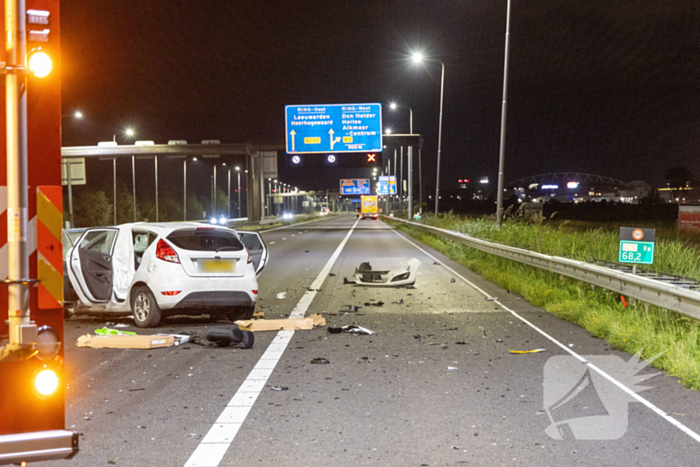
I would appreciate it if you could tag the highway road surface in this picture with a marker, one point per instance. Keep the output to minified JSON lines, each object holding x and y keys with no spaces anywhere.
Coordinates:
{"x":435,"y":385}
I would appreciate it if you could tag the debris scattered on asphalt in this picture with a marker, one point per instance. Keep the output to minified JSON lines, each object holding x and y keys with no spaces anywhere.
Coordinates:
{"x":179,"y":338}
{"x":280,"y":388}
{"x":400,"y":302}
{"x":125,"y":341}
{"x":491,"y":299}
{"x":321,"y":361}
{"x":281,"y":295}
{"x":571,"y":346}
{"x":453,"y":280}
{"x":452,"y":368}
{"x":351,"y":309}
{"x":526,"y":351}
{"x":291,"y":324}
{"x":105,"y":331}
{"x":374,"y":304}
{"x":436,"y":263}
{"x":118,"y":325}
{"x":137,"y":389}
{"x":225,"y":336}
{"x":460,"y":343}
{"x":352,"y":329}
{"x":332,"y":274}
{"x":306,"y":251}
{"x":259,"y":314}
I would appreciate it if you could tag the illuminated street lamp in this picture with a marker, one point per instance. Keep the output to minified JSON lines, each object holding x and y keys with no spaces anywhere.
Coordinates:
{"x":418,"y":58}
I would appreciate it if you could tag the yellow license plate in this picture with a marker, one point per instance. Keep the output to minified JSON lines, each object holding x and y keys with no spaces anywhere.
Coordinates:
{"x":218,"y":265}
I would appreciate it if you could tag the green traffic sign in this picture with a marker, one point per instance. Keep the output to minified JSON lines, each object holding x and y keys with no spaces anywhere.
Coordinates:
{"x":636,"y":252}
{"x":637,"y":245}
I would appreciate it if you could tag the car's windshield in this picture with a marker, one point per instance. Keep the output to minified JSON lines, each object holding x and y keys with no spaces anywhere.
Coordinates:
{"x":205,"y":239}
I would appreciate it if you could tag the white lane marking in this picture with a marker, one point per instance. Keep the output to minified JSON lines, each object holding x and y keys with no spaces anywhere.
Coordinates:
{"x":293,"y":235}
{"x":272,"y":243}
{"x":213,"y":447}
{"x":564,"y":347}
{"x":285,"y":238}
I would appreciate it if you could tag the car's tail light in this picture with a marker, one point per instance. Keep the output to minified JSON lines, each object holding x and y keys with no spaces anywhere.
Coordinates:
{"x":165,"y":252}
{"x":255,"y":292}
{"x":170,"y":293}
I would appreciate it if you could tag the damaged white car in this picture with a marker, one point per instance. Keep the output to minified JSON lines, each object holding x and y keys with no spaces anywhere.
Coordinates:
{"x":152,"y":270}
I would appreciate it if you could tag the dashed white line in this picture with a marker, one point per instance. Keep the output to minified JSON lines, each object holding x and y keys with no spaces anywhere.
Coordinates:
{"x":214,"y":445}
{"x":564,"y":347}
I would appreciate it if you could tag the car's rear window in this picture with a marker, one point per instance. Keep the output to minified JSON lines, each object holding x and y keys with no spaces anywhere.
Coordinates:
{"x":205,"y":240}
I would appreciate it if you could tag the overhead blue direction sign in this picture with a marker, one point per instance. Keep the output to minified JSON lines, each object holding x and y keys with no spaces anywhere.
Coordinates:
{"x":354,"y":186}
{"x":333,"y":128}
{"x":387,"y":185}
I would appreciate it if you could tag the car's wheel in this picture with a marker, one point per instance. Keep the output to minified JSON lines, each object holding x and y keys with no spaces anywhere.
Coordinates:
{"x":241,"y":312}
{"x":146,"y":311}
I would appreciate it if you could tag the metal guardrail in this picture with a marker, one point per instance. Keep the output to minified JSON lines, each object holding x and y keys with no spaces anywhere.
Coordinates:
{"x":653,"y":291}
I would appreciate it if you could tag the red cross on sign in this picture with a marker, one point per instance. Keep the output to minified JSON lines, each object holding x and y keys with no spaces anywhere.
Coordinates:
{"x":371,"y":157}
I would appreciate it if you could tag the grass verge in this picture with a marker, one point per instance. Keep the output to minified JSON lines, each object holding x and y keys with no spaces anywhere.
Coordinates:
{"x":639,"y":326}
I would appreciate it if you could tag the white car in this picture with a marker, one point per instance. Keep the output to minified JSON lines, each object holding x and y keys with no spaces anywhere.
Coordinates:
{"x":157,"y":269}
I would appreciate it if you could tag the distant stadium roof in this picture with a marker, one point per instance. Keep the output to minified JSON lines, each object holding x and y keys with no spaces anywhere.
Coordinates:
{"x":563,"y":177}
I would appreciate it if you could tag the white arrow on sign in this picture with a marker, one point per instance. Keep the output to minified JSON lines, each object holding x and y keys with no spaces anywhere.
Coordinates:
{"x":333,"y":140}
{"x":292,"y":133}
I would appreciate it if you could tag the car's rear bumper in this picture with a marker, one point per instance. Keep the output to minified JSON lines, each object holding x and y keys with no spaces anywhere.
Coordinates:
{"x":215,"y":299}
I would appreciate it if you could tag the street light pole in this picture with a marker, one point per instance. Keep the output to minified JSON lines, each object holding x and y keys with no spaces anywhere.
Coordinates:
{"x":114,"y":187}
{"x":238,"y":172}
{"x":418,"y":58}
{"x":184,"y":189}
{"x":437,"y":178}
{"x":155,"y":159}
{"x":133,"y":182}
{"x":229,"y":193}
{"x":410,"y":162}
{"x":502,"y":149}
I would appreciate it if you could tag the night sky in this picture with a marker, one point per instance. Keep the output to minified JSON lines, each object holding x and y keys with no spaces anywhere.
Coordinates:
{"x":598,"y":86}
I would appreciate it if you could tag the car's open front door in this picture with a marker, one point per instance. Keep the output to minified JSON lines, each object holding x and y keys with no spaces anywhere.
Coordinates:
{"x":255,"y":244}
{"x":90,"y":265}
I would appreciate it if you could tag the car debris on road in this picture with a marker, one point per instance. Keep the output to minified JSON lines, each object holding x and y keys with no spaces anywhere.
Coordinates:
{"x":351,"y":329}
{"x":290,"y":324}
{"x":366,"y":276}
{"x":225,"y":336}
{"x":526,"y":351}
{"x":125,"y":341}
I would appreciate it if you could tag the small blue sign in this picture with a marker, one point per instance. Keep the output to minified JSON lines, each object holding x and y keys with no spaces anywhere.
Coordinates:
{"x":354,"y":186}
{"x":333,"y":128}
{"x":387,"y":185}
